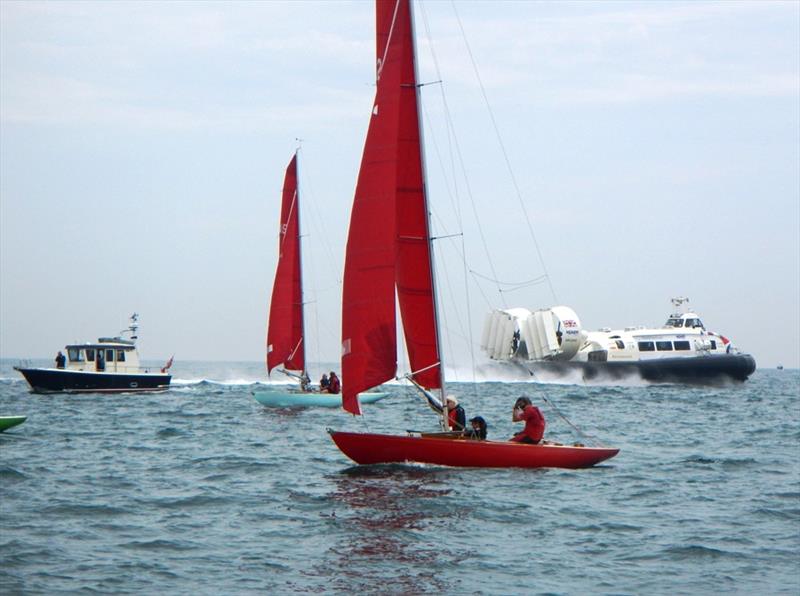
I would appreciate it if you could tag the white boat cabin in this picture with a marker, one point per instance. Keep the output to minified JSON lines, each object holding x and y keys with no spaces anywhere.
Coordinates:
{"x":108,"y":354}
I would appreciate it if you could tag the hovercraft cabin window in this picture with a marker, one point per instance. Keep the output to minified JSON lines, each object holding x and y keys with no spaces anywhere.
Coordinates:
{"x":664,"y":346}
{"x":646,"y":346}
{"x":682,"y":345}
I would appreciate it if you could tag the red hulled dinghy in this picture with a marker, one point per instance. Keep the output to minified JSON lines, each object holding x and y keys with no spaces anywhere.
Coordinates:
{"x":389,"y":267}
{"x":364,"y":448}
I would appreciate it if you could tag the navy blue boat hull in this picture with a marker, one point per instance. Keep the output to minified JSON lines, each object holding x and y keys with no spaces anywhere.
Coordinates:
{"x":703,"y":370}
{"x":53,"y":380}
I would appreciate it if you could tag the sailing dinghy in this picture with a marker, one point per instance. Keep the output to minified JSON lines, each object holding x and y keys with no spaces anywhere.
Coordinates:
{"x":286,"y":327}
{"x":396,"y":257}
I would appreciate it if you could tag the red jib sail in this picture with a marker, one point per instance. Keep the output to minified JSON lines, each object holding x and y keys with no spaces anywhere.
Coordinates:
{"x":285,"y":342}
{"x":388,"y":240}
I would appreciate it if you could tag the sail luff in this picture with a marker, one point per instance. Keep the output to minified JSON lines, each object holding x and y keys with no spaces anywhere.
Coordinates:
{"x":285,"y":330}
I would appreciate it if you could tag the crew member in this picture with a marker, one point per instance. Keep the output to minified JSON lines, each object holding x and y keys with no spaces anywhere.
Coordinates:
{"x":534,"y":421}
{"x":478,"y":430}
{"x":456,"y":417}
{"x":335,"y":386}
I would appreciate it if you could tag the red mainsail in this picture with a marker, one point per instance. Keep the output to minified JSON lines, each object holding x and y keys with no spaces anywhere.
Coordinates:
{"x":285,"y":341}
{"x":388,"y":240}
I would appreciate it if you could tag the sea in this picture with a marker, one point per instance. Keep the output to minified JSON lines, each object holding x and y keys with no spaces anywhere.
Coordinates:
{"x":201,"y":490}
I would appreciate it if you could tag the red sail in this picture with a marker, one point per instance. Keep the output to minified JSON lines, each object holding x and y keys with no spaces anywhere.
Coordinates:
{"x":387,"y":245}
{"x":369,"y":336}
{"x":413,"y":269}
{"x":285,"y":342}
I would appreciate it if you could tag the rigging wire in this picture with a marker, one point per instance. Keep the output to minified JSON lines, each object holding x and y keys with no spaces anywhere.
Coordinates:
{"x":503,"y":150}
{"x":452,"y":140}
{"x":311,"y":214}
{"x":513,"y":285}
{"x":455,"y":145}
{"x":549,"y":402}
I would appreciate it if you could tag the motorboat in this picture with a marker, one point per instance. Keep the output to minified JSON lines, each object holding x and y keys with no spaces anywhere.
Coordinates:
{"x":109,"y":365}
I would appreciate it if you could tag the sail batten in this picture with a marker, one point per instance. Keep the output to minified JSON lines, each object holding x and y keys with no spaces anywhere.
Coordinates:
{"x":285,"y":345}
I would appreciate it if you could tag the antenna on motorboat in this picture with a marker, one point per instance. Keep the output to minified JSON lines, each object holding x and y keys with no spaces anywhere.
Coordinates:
{"x":133,"y":327}
{"x":678,"y":302}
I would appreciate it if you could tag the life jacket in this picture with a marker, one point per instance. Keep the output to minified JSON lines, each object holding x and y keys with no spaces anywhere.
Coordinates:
{"x":456,"y":418}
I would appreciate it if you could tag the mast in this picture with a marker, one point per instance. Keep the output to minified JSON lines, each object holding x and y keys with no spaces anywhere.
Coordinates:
{"x":429,"y":239}
{"x":300,"y":258}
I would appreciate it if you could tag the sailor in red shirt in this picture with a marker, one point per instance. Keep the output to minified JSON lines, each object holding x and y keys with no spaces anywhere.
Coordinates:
{"x":334,"y":386}
{"x":534,"y":421}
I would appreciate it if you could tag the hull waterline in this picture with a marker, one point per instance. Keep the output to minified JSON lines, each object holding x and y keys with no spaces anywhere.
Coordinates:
{"x":366,"y":448}
{"x":288,"y":399}
{"x":55,"y":380}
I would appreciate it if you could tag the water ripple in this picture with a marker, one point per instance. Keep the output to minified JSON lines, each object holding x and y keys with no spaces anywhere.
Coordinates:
{"x":202,"y":490}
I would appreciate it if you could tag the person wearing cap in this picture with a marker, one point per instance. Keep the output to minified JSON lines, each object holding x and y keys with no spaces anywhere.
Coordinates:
{"x":456,"y":417}
{"x":334,"y":386}
{"x":478,"y":430}
{"x":534,"y":421}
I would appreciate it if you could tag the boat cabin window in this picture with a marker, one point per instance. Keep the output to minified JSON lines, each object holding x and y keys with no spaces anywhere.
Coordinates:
{"x":120,"y":355}
{"x":713,"y":344}
{"x":90,"y":354}
{"x":75,"y":355}
{"x":664,"y":346}
{"x":646,"y":346}
{"x":674,"y":323}
{"x":682,"y":345}
{"x":693,"y":323}
{"x":620,"y":344}
{"x":109,"y":355}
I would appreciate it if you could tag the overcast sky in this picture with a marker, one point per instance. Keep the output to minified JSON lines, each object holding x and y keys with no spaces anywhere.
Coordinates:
{"x":655,"y":147}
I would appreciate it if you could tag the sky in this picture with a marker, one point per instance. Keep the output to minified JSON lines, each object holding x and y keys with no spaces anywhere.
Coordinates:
{"x":648,"y":149}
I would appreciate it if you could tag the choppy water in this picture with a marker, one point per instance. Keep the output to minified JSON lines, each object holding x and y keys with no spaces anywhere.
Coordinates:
{"x":202,"y":490}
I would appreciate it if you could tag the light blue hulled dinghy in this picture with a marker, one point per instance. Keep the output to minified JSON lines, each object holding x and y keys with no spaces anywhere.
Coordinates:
{"x":285,"y":397}
{"x":286,"y":338}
